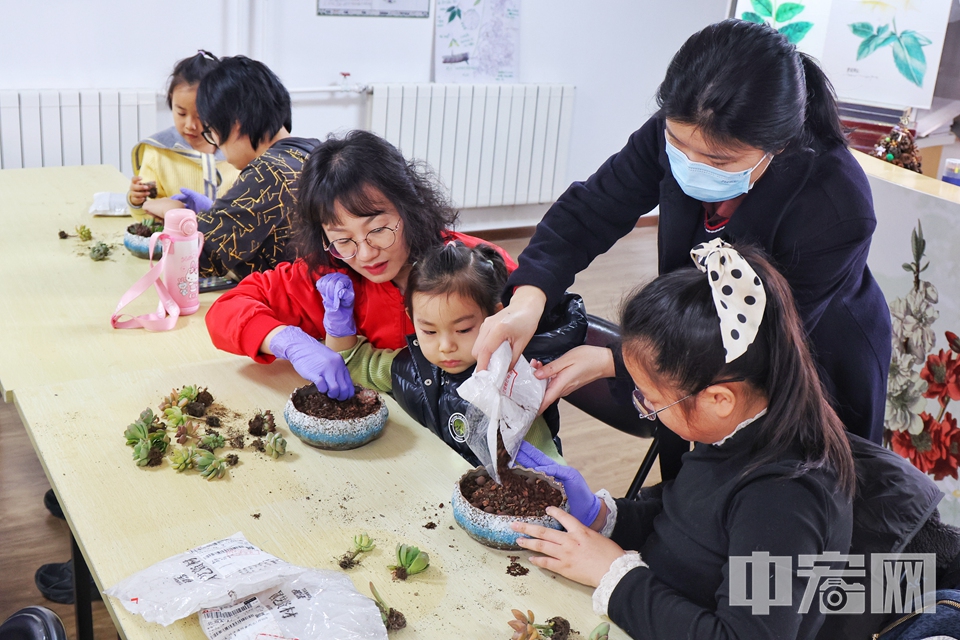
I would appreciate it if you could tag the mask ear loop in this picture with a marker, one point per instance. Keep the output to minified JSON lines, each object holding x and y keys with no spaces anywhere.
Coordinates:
{"x":738,"y":294}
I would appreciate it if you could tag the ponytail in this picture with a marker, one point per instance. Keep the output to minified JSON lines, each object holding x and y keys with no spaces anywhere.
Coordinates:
{"x":822,"y":127}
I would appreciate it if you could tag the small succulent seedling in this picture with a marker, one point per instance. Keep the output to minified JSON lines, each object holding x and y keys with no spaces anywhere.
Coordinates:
{"x":210,"y":466}
{"x":99,"y":251}
{"x":362,"y":543}
{"x":524,"y":628}
{"x":602,"y":632}
{"x":84,"y":233}
{"x":140,"y":429}
{"x":175,"y":416}
{"x":187,"y":431}
{"x":173,"y":399}
{"x":275,"y":445}
{"x":145,"y":454}
{"x":188,"y":392}
{"x":410,"y":561}
{"x":183,"y":458}
{"x":262,"y":423}
{"x":392,"y":619}
{"x":212,"y":441}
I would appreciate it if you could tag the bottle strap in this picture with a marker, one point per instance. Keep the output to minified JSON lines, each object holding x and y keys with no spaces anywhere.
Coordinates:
{"x":165,"y":317}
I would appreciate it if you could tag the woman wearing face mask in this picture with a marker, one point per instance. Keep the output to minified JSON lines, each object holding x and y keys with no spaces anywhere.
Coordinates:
{"x":747,"y":146}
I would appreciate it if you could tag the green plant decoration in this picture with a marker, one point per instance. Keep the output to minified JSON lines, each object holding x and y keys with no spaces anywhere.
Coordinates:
{"x":778,"y":16}
{"x":99,"y":251}
{"x":188,"y":392}
{"x":907,"y":47}
{"x":410,"y":561}
{"x":140,"y":429}
{"x":274,"y":445}
{"x":392,"y":619}
{"x":84,"y":233}
{"x":362,"y":543}
{"x":601,"y":632}
{"x":212,"y":441}
{"x":173,"y":400}
{"x":183,"y":459}
{"x":210,"y":466}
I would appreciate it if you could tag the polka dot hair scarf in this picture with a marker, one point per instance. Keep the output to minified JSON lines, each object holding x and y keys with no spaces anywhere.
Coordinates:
{"x":737,"y":293}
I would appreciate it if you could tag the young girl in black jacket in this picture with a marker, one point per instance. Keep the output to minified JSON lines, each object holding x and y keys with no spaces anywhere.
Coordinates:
{"x":450,"y":291}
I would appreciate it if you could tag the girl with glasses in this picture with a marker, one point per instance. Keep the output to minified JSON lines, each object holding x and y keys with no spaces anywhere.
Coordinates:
{"x":363,"y":211}
{"x":179,"y":156}
{"x":718,"y":353}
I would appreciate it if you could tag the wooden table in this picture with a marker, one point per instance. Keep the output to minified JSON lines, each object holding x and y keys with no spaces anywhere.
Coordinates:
{"x":310,"y":503}
{"x":57,"y":302}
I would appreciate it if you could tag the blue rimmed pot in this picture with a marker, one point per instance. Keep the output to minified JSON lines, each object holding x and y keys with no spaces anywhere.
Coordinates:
{"x":494,"y":530}
{"x":335,"y":434}
{"x":140,"y":246}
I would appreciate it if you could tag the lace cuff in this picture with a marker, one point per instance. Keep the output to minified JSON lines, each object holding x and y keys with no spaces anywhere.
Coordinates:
{"x":611,"y":520}
{"x":620,"y":567}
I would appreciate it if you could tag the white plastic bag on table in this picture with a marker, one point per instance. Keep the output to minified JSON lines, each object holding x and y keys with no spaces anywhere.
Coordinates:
{"x":508,"y":398}
{"x":320,"y":605}
{"x":109,"y":204}
{"x":211,"y":575}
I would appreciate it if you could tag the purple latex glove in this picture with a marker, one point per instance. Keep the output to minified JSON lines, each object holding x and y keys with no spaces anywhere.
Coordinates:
{"x":193,"y":200}
{"x":336,"y":289}
{"x":584,"y":506}
{"x":314,"y":361}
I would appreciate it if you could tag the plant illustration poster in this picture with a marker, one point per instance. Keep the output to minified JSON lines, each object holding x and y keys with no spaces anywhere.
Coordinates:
{"x":477,"y":41}
{"x":882,"y":52}
{"x":886,"y":52}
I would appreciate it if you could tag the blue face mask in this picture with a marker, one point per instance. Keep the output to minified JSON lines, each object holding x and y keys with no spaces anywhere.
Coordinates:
{"x":706,"y":183}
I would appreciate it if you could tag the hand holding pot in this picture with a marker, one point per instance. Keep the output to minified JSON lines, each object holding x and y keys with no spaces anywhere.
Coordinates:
{"x":584,"y":505}
{"x":336,"y":289}
{"x":314,"y":361}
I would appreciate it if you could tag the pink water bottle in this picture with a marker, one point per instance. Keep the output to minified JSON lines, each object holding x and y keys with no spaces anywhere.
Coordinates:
{"x":181,"y":256}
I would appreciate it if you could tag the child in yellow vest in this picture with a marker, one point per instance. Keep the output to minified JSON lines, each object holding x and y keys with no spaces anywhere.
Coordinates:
{"x":179,"y":156}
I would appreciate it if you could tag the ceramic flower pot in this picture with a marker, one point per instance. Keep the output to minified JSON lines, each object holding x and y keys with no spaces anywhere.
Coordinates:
{"x":140,"y":246}
{"x":494,"y":530}
{"x":332,"y":433}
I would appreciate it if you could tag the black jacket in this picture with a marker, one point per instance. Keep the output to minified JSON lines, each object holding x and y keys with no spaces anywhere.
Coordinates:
{"x":430,"y":396}
{"x":813,"y":214}
{"x":687,"y":529}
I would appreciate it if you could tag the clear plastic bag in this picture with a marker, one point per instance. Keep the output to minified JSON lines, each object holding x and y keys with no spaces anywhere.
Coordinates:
{"x":508,"y":400}
{"x":210,"y":575}
{"x":109,"y":204}
{"x":321,"y":605}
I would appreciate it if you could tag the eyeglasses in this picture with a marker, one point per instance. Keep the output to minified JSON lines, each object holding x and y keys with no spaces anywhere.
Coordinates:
{"x":379,"y":238}
{"x":207,"y":135}
{"x":640,"y":403}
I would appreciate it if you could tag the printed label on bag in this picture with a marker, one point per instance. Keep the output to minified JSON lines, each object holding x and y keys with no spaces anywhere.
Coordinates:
{"x":247,"y":619}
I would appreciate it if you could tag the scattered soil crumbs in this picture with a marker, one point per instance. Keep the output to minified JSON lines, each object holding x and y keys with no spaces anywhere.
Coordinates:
{"x":256,"y":516}
{"x":232,"y":459}
{"x":156,"y":457}
{"x":313,"y":403}
{"x":213,"y":421}
{"x":441,"y":505}
{"x":430,"y":525}
{"x":517,"y":496}
{"x":235,"y":439}
{"x":347,"y":561}
{"x":196,"y":409}
{"x":258,"y":445}
{"x":515,"y":568}
{"x":63,"y":234}
{"x":205,"y":397}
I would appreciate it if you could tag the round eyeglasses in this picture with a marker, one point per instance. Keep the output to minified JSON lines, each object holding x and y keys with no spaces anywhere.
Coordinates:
{"x":379,"y":238}
{"x":640,"y":403}
{"x":207,"y":135}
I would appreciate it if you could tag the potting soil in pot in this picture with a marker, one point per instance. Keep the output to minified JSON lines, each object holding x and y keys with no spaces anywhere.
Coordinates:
{"x":517,"y":496}
{"x":319,"y":405}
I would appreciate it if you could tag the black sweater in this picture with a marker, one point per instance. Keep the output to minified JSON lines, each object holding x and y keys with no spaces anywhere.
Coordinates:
{"x":710,"y":512}
{"x":813,"y":214}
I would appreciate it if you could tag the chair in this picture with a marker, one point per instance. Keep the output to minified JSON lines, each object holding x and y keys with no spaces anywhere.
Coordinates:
{"x":595,"y":400}
{"x":33,"y":623}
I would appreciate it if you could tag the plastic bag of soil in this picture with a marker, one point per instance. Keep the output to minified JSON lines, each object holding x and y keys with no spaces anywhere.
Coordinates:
{"x":210,"y":575}
{"x":321,"y":605}
{"x":506,"y":401}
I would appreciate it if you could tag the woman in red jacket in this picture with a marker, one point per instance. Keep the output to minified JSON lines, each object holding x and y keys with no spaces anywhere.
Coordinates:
{"x":362,"y":210}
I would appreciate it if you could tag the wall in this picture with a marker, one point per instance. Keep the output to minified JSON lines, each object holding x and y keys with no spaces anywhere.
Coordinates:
{"x":615,"y":52}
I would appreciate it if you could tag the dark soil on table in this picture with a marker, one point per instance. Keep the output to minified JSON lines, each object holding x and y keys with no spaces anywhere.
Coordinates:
{"x":262,"y":424}
{"x":313,"y":403}
{"x":430,"y":525}
{"x":395,"y":620}
{"x":213,"y":421}
{"x":517,"y":496}
{"x":232,"y":459}
{"x":515,"y":568}
{"x":258,"y":445}
{"x":196,"y":409}
{"x":156,"y":457}
{"x":561,"y":628}
{"x":205,"y":397}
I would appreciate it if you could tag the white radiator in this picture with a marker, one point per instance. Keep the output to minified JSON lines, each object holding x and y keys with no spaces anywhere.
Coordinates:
{"x":491,"y":145}
{"x":63,"y":128}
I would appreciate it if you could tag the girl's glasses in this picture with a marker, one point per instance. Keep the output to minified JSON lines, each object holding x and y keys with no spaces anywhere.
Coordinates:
{"x":640,"y":403}
{"x":379,"y":238}
{"x":207,"y":135}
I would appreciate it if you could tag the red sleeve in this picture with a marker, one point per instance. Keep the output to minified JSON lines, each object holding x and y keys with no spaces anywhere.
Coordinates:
{"x":241,"y":318}
{"x":472,"y":241}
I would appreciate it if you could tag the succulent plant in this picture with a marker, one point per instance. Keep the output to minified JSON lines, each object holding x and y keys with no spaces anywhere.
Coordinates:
{"x":187,"y":431}
{"x":145,"y":454}
{"x":601,"y":632}
{"x":212,"y":441}
{"x":392,"y":619}
{"x":188,"y":392}
{"x":159,"y":440}
{"x":140,"y":428}
{"x":262,"y":423}
{"x":210,"y":466}
{"x":183,"y":458}
{"x":173,"y":399}
{"x":275,"y":445}
{"x":524,"y":628}
{"x":410,"y":561}
{"x":362,"y":543}
{"x":84,"y":233}
{"x":175,"y":416}
{"x":99,"y":251}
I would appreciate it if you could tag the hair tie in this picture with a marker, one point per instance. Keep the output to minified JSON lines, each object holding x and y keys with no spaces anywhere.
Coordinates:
{"x":737,"y":293}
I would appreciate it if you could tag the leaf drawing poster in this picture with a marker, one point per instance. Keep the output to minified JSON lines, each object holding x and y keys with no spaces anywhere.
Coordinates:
{"x":477,"y":41}
{"x":803,"y":22}
{"x":886,"y":51}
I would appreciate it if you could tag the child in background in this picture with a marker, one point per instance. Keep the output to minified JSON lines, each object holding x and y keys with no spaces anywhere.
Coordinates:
{"x":179,"y":156}
{"x":450,"y":291}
